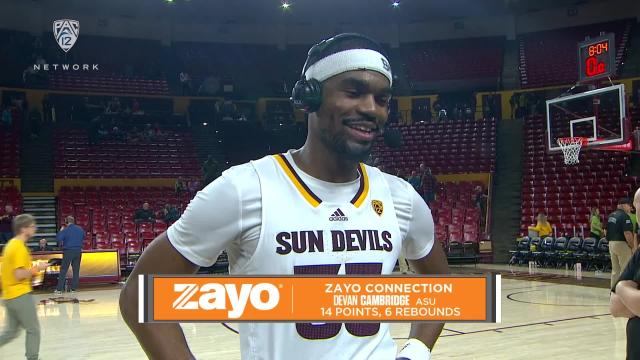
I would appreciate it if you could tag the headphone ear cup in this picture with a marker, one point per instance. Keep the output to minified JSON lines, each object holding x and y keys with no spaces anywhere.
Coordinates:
{"x":313,"y":95}
{"x":307,"y":95}
{"x":297,"y":95}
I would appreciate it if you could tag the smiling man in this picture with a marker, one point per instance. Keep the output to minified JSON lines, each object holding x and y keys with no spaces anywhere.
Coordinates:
{"x":294,"y":213}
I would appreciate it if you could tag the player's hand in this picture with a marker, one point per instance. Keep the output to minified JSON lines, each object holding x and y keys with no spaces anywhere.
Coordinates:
{"x":414,"y":349}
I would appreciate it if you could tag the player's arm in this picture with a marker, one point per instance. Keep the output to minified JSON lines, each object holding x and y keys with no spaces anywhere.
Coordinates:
{"x":628,"y":233}
{"x":629,"y":295}
{"x":196,"y":239}
{"x":434,"y":263}
{"x":159,"y":341}
{"x":425,"y":256}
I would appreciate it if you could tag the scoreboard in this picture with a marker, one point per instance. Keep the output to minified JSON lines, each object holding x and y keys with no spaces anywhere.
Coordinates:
{"x":596,"y":57}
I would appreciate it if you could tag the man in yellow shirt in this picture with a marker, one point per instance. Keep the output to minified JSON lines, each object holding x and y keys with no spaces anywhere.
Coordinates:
{"x":16,"y":274}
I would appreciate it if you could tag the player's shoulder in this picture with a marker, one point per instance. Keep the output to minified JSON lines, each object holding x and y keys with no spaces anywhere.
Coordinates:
{"x":394,"y":182}
{"x":244,"y":177}
{"x":399,"y":188}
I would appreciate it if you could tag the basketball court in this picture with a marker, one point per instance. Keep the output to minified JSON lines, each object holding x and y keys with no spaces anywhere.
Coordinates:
{"x":548,"y":314}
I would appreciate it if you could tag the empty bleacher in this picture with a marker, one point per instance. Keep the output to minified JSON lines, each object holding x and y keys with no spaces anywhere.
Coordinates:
{"x":170,"y":157}
{"x":549,"y":57}
{"x":477,"y":58}
{"x":445,"y":147}
{"x":566,"y":193}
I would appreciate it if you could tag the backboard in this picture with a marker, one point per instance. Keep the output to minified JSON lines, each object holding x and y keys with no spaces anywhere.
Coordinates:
{"x":598,"y":115}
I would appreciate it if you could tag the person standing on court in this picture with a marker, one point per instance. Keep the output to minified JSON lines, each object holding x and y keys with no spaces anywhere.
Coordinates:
{"x":70,"y":240}
{"x":16,"y":274}
{"x":625,"y":298}
{"x":620,"y":237}
{"x":345,"y":90}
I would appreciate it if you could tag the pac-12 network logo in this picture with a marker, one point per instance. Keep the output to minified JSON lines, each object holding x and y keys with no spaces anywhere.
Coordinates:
{"x":66,"y":33}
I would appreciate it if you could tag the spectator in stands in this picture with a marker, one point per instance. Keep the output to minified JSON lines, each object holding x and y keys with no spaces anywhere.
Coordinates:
{"x":103,"y":133}
{"x":543,"y":227}
{"x":185,"y":83}
{"x":180,"y":186}
{"x":6,"y":220}
{"x":228,"y":110}
{"x":596,"y":225}
{"x":194,"y":185}
{"x":70,"y":240}
{"x":7,"y":119}
{"x":512,"y":104}
{"x":148,"y":134}
{"x":43,"y":246}
{"x":135,"y":108}
{"x":145,"y":214}
{"x":17,"y":272}
{"x":210,"y":170}
{"x":429,"y":183}
{"x":480,"y":199}
{"x":416,"y":181}
{"x":400,"y":174}
{"x":620,"y":237}
{"x":46,"y":109}
{"x":169,"y":214}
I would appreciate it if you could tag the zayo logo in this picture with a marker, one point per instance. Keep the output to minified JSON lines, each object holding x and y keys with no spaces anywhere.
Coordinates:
{"x":66,"y":33}
{"x":214,"y":296}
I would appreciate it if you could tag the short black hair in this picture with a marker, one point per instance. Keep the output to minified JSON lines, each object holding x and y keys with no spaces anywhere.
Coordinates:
{"x":357,"y":41}
{"x":624,"y":200}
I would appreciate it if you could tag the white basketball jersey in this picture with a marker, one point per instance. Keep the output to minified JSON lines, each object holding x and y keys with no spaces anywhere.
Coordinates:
{"x":303,"y":234}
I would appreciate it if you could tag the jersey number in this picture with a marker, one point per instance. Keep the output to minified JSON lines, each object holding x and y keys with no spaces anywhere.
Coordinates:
{"x":326,"y":331}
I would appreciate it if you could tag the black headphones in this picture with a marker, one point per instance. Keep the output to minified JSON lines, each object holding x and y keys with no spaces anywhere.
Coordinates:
{"x":307,"y":93}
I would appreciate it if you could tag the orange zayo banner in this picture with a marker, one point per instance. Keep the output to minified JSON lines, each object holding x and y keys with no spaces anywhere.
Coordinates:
{"x":166,"y":298}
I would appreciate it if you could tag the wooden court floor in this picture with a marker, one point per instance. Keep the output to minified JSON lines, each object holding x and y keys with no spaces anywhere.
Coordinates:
{"x":541,"y":320}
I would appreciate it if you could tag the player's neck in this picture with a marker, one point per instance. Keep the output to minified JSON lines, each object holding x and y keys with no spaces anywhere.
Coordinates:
{"x":324,"y":165}
{"x":22,"y":237}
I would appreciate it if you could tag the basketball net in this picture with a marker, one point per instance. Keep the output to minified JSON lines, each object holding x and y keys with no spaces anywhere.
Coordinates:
{"x":571,"y":149}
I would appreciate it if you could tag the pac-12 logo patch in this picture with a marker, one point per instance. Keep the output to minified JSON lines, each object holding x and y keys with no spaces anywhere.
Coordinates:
{"x":66,"y":33}
{"x":377,"y":206}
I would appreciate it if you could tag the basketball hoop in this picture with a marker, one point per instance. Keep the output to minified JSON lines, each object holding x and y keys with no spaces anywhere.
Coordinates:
{"x":571,"y":149}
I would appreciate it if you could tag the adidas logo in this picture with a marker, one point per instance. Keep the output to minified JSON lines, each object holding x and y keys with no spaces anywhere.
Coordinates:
{"x":338,"y":215}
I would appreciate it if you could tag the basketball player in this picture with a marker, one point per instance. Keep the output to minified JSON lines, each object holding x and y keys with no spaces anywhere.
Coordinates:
{"x":260,"y":211}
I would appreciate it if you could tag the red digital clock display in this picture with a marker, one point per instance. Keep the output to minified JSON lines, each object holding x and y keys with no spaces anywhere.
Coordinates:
{"x":596,"y":57}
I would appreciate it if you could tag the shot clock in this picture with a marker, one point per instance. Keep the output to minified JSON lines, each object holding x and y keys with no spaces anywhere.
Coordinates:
{"x":596,"y":57}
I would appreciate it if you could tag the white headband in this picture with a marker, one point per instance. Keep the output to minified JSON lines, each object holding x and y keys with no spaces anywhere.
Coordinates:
{"x":348,"y":60}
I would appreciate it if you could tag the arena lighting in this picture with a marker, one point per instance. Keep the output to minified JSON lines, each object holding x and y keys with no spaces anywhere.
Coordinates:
{"x":285,"y":5}
{"x":204,"y":124}
{"x":395,"y":3}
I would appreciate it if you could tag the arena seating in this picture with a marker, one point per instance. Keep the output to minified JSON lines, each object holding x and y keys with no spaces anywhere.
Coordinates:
{"x":170,"y":157}
{"x":454,"y":59}
{"x":10,"y":196}
{"x":456,"y":217}
{"x":565,"y":193}
{"x":445,"y":147}
{"x":9,"y":154}
{"x":106,"y":213}
{"x":108,"y":83}
{"x":549,"y":57}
